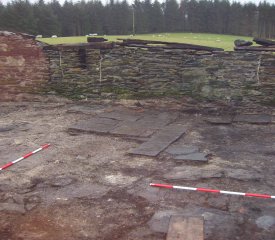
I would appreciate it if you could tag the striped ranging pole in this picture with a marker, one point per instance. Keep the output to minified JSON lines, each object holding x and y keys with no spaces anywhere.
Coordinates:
{"x":24,"y":157}
{"x":211,"y":190}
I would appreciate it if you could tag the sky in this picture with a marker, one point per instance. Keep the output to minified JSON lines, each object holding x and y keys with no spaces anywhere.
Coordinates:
{"x":62,"y":1}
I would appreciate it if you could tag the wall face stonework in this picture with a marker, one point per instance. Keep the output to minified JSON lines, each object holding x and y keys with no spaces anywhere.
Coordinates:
{"x":242,"y":77}
{"x":74,"y":73}
{"x":23,"y":65}
{"x":108,"y":70}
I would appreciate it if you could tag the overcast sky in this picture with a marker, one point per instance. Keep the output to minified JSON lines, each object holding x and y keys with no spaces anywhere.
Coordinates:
{"x":104,"y":1}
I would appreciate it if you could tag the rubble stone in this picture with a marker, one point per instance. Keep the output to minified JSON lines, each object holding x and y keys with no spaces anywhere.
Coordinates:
{"x":265,"y":222}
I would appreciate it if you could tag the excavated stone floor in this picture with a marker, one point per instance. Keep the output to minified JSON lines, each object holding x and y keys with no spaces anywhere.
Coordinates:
{"x":93,"y":182}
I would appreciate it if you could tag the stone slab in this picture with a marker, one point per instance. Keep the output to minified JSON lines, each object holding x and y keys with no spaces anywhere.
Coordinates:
{"x":242,"y":174}
{"x":193,"y":173}
{"x":159,"y":141}
{"x":143,"y":127}
{"x":253,"y":118}
{"x":122,"y":115}
{"x":192,"y":157}
{"x":137,"y":139}
{"x":20,"y":126}
{"x":159,"y":119}
{"x":134,"y":129}
{"x":81,"y":190}
{"x":95,"y":125}
{"x":219,"y":120}
{"x":85,"y":109}
{"x":73,"y":191}
{"x":6,"y":128}
{"x":187,"y":228}
{"x":180,"y":149}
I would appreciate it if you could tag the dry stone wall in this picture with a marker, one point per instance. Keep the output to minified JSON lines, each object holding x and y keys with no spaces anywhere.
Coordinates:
{"x":266,"y":86}
{"x":80,"y":71}
{"x":23,"y":65}
{"x":230,"y":77}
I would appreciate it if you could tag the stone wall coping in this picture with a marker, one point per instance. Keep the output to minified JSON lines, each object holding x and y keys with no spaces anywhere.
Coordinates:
{"x":92,"y":45}
{"x":24,"y":35}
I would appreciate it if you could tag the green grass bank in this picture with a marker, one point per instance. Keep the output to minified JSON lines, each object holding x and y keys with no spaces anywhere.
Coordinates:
{"x":212,"y":40}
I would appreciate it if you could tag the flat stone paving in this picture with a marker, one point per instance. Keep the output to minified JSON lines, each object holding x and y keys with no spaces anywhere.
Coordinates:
{"x":134,"y":129}
{"x":199,"y":157}
{"x":181,"y":149}
{"x":80,"y":109}
{"x":159,"y":141}
{"x":219,"y":120}
{"x":124,"y":122}
{"x":121,"y":114}
{"x":95,"y":125}
{"x":241,"y":118}
{"x":253,"y":118}
{"x":182,"y":152}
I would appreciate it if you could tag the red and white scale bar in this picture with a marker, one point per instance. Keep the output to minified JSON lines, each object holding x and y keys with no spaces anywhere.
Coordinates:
{"x":24,"y":157}
{"x":211,"y":190}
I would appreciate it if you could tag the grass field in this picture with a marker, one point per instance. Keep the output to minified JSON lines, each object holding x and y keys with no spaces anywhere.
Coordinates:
{"x":212,"y":40}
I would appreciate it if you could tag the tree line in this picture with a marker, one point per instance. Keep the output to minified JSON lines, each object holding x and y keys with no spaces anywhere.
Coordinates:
{"x":143,"y":16}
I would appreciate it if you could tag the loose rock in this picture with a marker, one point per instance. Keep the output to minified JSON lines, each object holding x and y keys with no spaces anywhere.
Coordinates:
{"x":242,"y":43}
{"x":265,"y":222}
{"x":61,"y":181}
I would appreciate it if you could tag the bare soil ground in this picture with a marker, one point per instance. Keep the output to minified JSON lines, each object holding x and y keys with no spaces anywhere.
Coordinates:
{"x":86,"y":186}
